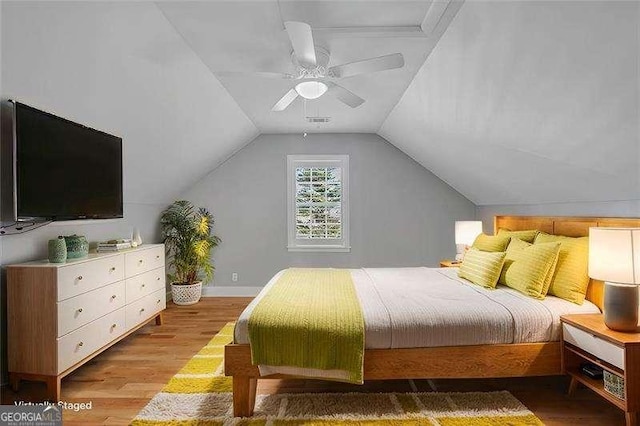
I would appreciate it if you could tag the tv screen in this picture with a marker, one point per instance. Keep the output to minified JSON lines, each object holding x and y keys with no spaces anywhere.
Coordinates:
{"x":65,"y":170}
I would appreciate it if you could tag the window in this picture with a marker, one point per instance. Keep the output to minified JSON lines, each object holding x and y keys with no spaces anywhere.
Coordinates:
{"x":318,"y":202}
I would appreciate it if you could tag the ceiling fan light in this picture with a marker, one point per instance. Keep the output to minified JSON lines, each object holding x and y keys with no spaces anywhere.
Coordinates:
{"x":311,"y":89}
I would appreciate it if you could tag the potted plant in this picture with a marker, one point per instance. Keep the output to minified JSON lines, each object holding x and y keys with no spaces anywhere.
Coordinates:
{"x":187,"y":237}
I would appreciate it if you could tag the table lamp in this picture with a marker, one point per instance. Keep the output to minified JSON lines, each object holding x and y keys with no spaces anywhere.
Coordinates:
{"x":466,"y":233}
{"x":614,"y":257}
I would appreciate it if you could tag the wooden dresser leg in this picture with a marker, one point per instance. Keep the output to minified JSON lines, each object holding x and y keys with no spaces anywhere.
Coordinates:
{"x":573,"y":385}
{"x":631,"y":418}
{"x":14,"y":381}
{"x":159,"y":319}
{"x":244,"y":396}
{"x":53,"y":387}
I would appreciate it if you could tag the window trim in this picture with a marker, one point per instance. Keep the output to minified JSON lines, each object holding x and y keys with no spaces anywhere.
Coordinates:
{"x":310,"y":160}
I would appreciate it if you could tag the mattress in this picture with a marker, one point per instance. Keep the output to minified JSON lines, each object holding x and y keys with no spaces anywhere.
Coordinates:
{"x":429,"y":307}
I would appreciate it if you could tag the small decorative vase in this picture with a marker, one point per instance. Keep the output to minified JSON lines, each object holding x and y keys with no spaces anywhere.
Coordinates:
{"x":136,"y":239}
{"x":58,"y":250}
{"x":77,"y":246}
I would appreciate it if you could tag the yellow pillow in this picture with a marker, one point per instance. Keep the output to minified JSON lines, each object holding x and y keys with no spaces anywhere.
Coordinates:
{"x":514,"y":245}
{"x":529,"y":268}
{"x":482,"y":267}
{"x":527,"y":236}
{"x":519,"y":244}
{"x":485,"y":242}
{"x":571,"y":278}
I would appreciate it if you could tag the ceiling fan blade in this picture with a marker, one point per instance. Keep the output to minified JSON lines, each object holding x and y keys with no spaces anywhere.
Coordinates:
{"x":277,"y":75}
{"x":387,"y":62}
{"x":302,"y":42}
{"x":344,"y":95}
{"x":285,"y":101}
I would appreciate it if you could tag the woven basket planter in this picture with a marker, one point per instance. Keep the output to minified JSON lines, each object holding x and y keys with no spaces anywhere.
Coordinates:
{"x":186,"y":294}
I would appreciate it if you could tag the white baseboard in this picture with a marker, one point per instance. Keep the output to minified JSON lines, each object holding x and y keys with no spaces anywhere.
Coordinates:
{"x":212,"y":291}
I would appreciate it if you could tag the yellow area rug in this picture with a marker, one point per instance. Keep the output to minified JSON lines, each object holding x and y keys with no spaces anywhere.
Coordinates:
{"x":200,"y":394}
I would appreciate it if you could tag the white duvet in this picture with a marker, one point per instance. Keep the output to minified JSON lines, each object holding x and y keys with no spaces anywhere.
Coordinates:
{"x":427,"y":307}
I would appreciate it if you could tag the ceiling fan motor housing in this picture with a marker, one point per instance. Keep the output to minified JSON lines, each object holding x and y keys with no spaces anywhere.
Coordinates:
{"x":318,"y":71}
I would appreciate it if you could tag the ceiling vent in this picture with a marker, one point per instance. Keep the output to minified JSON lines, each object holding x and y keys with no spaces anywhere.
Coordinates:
{"x":318,"y":119}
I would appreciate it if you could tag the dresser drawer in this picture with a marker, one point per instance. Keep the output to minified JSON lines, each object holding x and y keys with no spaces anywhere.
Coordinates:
{"x":146,"y":307}
{"x":80,"y":278}
{"x":145,"y":283}
{"x":82,"y":342}
{"x":80,"y":310}
{"x":596,"y":346}
{"x":141,"y":261}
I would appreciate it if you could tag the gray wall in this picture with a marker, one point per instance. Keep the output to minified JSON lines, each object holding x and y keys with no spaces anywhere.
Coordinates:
{"x":401,"y":214}
{"x":604,"y":209}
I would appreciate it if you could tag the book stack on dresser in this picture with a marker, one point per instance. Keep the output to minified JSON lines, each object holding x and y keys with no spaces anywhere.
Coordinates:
{"x":59,"y":316}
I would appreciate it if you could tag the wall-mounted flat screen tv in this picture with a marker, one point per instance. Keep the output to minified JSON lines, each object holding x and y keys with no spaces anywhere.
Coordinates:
{"x":65,"y":170}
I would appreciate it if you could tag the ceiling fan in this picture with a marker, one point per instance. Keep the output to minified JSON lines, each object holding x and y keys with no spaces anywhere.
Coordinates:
{"x":315,"y":78}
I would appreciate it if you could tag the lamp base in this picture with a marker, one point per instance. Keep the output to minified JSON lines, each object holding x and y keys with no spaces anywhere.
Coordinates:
{"x":621,"y":307}
{"x":461,"y":249}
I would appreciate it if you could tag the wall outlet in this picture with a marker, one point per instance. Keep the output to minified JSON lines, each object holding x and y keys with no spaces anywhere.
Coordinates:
{"x":234,"y":277}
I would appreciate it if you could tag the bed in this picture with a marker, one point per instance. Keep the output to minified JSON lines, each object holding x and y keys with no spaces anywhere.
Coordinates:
{"x":462,"y":335}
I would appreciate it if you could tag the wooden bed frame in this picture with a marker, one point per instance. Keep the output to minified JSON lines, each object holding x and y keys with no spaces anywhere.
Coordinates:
{"x":480,"y":361}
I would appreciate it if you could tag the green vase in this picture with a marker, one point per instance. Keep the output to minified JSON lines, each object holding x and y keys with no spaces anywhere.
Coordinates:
{"x":77,"y":246}
{"x":58,"y":250}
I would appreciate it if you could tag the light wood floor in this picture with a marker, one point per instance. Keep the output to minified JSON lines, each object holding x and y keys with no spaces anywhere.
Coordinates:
{"x":121,"y":381}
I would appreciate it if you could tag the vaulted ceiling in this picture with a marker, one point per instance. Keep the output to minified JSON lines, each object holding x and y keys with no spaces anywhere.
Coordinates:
{"x":248,"y":36}
{"x":508,"y":102}
{"x":529,"y":102}
{"x":516,"y":102}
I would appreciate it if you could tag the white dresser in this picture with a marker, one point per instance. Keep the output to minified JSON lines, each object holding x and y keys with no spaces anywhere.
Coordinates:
{"x":59,"y":316}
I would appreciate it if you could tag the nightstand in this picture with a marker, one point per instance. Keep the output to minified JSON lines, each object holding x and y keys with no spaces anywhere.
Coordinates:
{"x":450,"y":264}
{"x":587,"y":339}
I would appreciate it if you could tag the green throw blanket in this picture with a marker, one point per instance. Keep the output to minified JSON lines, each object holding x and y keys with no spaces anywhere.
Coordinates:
{"x":310,"y":318}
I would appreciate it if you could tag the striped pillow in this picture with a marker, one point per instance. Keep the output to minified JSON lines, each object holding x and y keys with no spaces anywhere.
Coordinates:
{"x":485,"y":242}
{"x":529,"y":268}
{"x":527,"y":236}
{"x":482,"y":267}
{"x":571,"y":278}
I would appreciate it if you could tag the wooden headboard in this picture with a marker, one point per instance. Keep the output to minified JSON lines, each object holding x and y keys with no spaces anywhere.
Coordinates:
{"x":570,"y":227}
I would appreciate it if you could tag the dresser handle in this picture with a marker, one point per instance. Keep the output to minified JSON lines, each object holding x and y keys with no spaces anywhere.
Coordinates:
{"x":158,"y":257}
{"x":80,"y":278}
{"x":114,"y":325}
{"x":158,"y":301}
{"x":142,"y":285}
{"x":80,"y":344}
{"x":140,"y":261}
{"x":142,"y":310}
{"x":113,"y":296}
{"x":113,"y":268}
{"x":79,"y":309}
{"x":158,"y":279}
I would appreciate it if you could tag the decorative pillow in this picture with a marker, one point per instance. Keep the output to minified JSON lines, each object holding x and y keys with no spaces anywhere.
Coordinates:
{"x":571,"y":277}
{"x":515,"y":245}
{"x":482,"y":267}
{"x":485,"y":242}
{"x":519,"y":244}
{"x":529,"y":268}
{"x":527,"y":236}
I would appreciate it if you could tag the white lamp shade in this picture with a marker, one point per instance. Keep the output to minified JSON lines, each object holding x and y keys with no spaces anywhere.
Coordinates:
{"x":614,"y":255}
{"x":467,"y":231}
{"x":311,"y":89}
